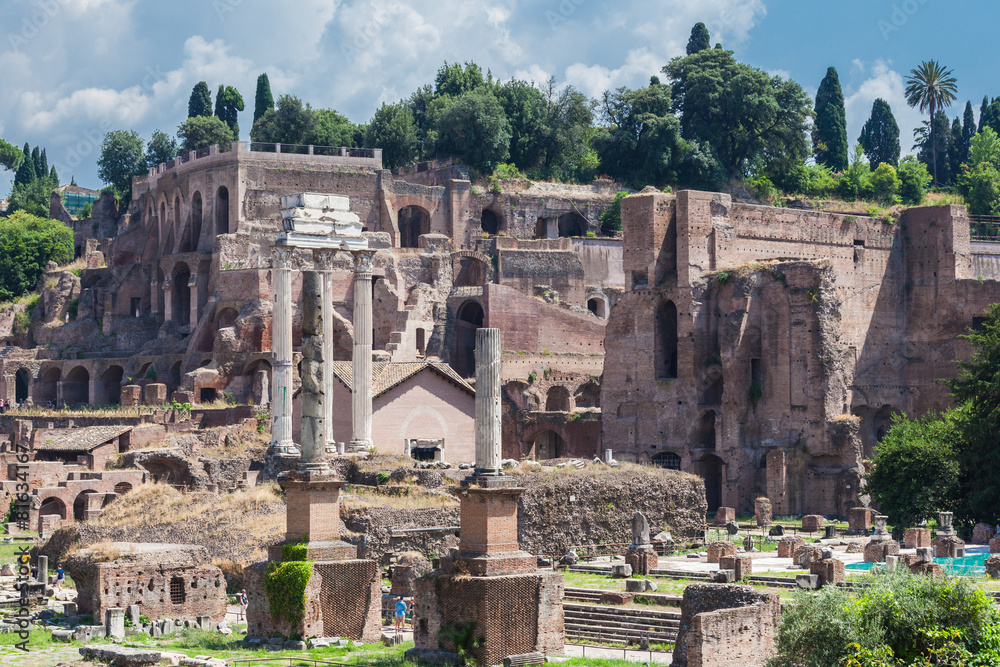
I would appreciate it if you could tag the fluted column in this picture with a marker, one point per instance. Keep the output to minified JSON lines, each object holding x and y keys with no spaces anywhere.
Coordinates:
{"x":323,"y":262}
{"x":488,"y":443}
{"x":313,"y":438}
{"x":361,"y":397}
{"x":281,"y":337}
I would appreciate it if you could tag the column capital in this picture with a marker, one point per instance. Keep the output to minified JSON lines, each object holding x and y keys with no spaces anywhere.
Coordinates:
{"x":166,"y":282}
{"x":323,"y":259}
{"x":192,"y":280}
{"x":282,"y":257}
{"x":364,"y":261}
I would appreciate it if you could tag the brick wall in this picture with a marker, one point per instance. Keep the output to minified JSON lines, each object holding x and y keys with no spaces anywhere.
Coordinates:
{"x":161,"y":591}
{"x":723,"y":625}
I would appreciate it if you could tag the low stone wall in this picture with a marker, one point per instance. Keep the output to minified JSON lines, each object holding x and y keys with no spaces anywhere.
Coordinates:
{"x":724,"y":625}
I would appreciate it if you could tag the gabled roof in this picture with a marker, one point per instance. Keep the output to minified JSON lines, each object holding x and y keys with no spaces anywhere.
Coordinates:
{"x":388,"y":374}
{"x":77,"y":439}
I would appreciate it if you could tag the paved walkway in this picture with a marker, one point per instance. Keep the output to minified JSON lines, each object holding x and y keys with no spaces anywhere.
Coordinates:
{"x":576,"y":651}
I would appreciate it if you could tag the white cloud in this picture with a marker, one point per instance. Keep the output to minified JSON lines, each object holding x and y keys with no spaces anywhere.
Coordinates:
{"x":886,"y":83}
{"x":592,"y":80}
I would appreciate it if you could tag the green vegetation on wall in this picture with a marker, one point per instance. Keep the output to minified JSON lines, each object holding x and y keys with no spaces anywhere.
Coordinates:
{"x":285,"y":583}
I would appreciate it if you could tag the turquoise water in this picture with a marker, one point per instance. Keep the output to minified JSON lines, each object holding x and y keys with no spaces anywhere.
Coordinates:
{"x":970,"y":565}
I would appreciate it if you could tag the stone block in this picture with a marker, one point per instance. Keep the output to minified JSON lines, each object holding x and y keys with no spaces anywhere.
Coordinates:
{"x":876,"y":551}
{"x":132,"y":613}
{"x":891,"y":563}
{"x":859,"y":519}
{"x":813,"y":523}
{"x":69,"y":608}
{"x":995,"y":545}
{"x":949,"y":546}
{"x":719,"y":549}
{"x":993,"y":567}
{"x":643,"y":561}
{"x":763,"y":511}
{"x":829,"y":570}
{"x":637,"y":585}
{"x":114,"y":623}
{"x":930,"y":569}
{"x":809,"y":582}
{"x":616,"y":597}
{"x":154,"y":393}
{"x":741,"y":565}
{"x":131,"y":396}
{"x":788,"y":544}
{"x":724,"y":515}
{"x":804,"y":555}
{"x":982,"y":533}
{"x":724,"y":576}
{"x":621,"y":570}
{"x":925,"y":555}
{"x":777,"y":530}
{"x":915,"y":538}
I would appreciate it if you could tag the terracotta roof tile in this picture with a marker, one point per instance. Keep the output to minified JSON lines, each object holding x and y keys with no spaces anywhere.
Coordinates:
{"x":386,"y":375}
{"x":77,"y":439}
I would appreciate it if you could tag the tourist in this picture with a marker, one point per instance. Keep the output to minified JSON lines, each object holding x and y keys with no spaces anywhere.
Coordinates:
{"x":60,"y":576}
{"x":400,"y":613}
{"x":244,"y":602}
{"x":409,"y":613}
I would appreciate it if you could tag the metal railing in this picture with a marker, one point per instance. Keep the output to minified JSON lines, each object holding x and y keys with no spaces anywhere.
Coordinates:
{"x":984,"y":228}
{"x":300,"y":149}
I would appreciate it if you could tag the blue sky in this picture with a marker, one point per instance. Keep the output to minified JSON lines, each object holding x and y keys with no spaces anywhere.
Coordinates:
{"x":72,"y":69}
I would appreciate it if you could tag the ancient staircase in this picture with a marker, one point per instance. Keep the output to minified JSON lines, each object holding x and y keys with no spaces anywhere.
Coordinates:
{"x":590,"y":623}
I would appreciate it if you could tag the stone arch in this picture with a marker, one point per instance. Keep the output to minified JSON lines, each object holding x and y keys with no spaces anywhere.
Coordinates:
{"x":598,"y":305}
{"x":470,"y":316}
{"x":180,"y":293}
{"x":167,"y":469}
{"x":665,"y":340}
{"x":22,"y":385}
{"x":226,"y":318}
{"x":572,"y":224}
{"x":471,"y":268}
{"x":222,"y":210}
{"x":175,"y":377}
{"x":710,"y":468}
{"x":548,"y":444}
{"x":47,"y":388}
{"x":703,"y":433}
{"x":193,"y":234}
{"x":542,"y":228}
{"x":557,"y":399}
{"x":76,"y":386}
{"x":121,"y":488}
{"x":80,"y":504}
{"x":423,"y":414}
{"x":491,"y":222}
{"x":515,"y":390}
{"x":412,"y":222}
{"x":111,"y":385}
{"x":52,"y":505}
{"x":588,"y":395}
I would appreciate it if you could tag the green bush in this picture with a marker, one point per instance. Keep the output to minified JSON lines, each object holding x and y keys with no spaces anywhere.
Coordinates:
{"x":981,"y":189}
{"x":913,"y":180}
{"x":885,"y":183}
{"x":856,"y":183}
{"x":611,"y":219}
{"x":893,"y":616}
{"x":27,"y":244}
{"x":763,"y":189}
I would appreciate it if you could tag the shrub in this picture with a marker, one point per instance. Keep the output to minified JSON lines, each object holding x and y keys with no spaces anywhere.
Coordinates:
{"x":611,"y":219}
{"x":981,"y":188}
{"x":763,"y":189}
{"x":507,"y":171}
{"x":913,"y":180}
{"x":856,"y":180}
{"x":885,"y":183}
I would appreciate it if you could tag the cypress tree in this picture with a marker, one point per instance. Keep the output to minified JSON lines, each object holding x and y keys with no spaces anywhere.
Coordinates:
{"x":43,"y":166}
{"x":36,"y":159}
{"x":830,"y":130}
{"x":957,"y":154}
{"x":968,"y":127}
{"x":263,"y":100}
{"x":880,"y":136}
{"x":200,"y":103}
{"x":26,"y":172}
{"x":228,"y":104}
{"x":982,"y":112}
{"x":53,"y":176}
{"x":699,"y":40}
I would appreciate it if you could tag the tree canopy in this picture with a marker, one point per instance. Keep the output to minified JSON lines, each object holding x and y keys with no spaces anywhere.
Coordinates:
{"x":263,"y":100}
{"x":228,"y":104}
{"x":204,"y":131}
{"x":699,"y":40}
{"x":830,"y":129}
{"x":880,"y":136}
{"x":122,"y":157}
{"x":392,"y":128}
{"x":162,"y":148}
{"x":475,"y":128}
{"x":200,"y":102}
{"x":27,"y":244}
{"x":931,"y":87}
{"x":10,"y":156}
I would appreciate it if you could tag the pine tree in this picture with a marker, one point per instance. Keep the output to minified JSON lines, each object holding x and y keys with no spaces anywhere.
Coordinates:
{"x":880,"y":136}
{"x":26,"y":172}
{"x":53,"y":176}
{"x":200,"y":103}
{"x":830,"y":131}
{"x":263,"y":100}
{"x":699,"y":40}
{"x":36,"y":159}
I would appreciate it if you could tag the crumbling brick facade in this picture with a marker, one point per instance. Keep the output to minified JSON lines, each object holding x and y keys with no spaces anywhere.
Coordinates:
{"x":723,"y":625}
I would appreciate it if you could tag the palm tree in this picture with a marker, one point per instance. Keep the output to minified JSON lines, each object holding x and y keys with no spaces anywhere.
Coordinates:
{"x":930,"y":87}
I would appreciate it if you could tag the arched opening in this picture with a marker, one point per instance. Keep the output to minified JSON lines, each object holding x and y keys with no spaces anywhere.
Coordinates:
{"x":163,"y":213}
{"x":181,"y":294}
{"x":175,"y":377}
{"x":548,"y":445}
{"x":572,"y":224}
{"x":80,"y":505}
{"x":703,"y":435}
{"x":121,"y":488}
{"x":557,"y":400}
{"x":668,"y":460}
{"x":588,"y":396}
{"x":598,"y":307}
{"x":196,"y":215}
{"x":490,"y":222}
{"x":167,"y":470}
{"x":470,"y":273}
{"x":222,"y":211}
{"x":710,"y":469}
{"x":51,"y":507}
{"x":112,"y":385}
{"x":666,"y":340}
{"x":76,"y":388}
{"x":470,"y":318}
{"x":413,"y":221}
{"x":177,"y":213}
{"x":542,"y":228}
{"x":226,"y":318}
{"x":47,"y":389}
{"x":22,"y":382}
{"x":421,"y":342}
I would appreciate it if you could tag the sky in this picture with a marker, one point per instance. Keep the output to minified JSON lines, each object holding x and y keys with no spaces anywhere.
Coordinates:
{"x":71,"y":70}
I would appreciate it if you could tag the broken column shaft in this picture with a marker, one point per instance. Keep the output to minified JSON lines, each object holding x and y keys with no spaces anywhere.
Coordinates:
{"x":488,"y":417}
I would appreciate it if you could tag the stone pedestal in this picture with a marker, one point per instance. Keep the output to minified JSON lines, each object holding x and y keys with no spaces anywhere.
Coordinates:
{"x":43,"y":569}
{"x":155,"y":393}
{"x":859,"y":519}
{"x":114,"y":623}
{"x":915,"y":538}
{"x":717,"y":550}
{"x":830,"y":570}
{"x":995,"y":545}
{"x":982,"y":533}
{"x":724,"y":515}
{"x":131,"y":396}
{"x":741,"y":565}
{"x":945,"y":527}
{"x":762,"y":511}
{"x":877,"y":550}
{"x":812,"y":523}
{"x":643,"y":559}
{"x":949,"y":546}
{"x":788,"y":544}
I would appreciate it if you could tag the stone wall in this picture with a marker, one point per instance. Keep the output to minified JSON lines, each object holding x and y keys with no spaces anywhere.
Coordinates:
{"x":723,"y":625}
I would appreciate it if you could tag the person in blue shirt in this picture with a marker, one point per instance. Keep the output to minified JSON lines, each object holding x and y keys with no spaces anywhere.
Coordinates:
{"x":60,"y":576}
{"x":400,"y":613}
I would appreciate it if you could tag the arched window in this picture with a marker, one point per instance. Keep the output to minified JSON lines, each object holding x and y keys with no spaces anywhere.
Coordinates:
{"x":668,"y":460}
{"x":490,"y":222}
{"x":222,"y":211}
{"x":666,"y":340}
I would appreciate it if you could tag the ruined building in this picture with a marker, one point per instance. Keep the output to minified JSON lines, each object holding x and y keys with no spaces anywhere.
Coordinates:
{"x":766,"y":348}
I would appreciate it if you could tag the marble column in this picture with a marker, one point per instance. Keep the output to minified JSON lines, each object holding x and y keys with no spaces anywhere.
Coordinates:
{"x":488,"y":443}
{"x":323,"y":262}
{"x":361,"y":396}
{"x":168,"y":306}
{"x":193,"y":297}
{"x":314,"y":432}
{"x":281,"y":344}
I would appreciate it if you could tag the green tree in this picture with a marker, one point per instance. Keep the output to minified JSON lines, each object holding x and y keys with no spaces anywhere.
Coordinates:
{"x":985,"y":147}
{"x":204,"y":131}
{"x":228,"y":104}
{"x":829,"y":133}
{"x":121,"y":158}
{"x":53,"y":176}
{"x":880,"y":136}
{"x":474,"y":128}
{"x":699,"y":39}
{"x":991,"y":116}
{"x":980,"y":186}
{"x":10,"y":156}
{"x":290,"y":122}
{"x":26,"y":172}
{"x":162,"y":148}
{"x":36,"y":159}
{"x":392,"y":129}
{"x":329,"y":128}
{"x":913,"y":180}
{"x":27,"y":244}
{"x":931,"y":87}
{"x":933,"y":143}
{"x":263,"y":101}
{"x":856,"y":182}
{"x":611,"y":219}
{"x":957,"y":151}
{"x":42,"y":165}
{"x":968,"y":130}
{"x":982,"y":112}
{"x":741,"y":112}
{"x":455,"y":80}
{"x":200,"y":102}
{"x":526,"y":110}
{"x":885,"y":184}
{"x":915,"y":471}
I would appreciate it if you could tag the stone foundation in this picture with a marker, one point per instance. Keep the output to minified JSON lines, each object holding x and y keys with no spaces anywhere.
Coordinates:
{"x":724,"y":515}
{"x":724,"y":625}
{"x":804,"y":555}
{"x":762,"y":511}
{"x":876,"y":551}
{"x":742,"y":566}
{"x":642,"y":560}
{"x":982,"y":533}
{"x":995,"y":545}
{"x":717,"y":550}
{"x":949,"y":547}
{"x":859,"y":519}
{"x":914,"y":538}
{"x":787,"y":546}
{"x":812,"y":523}
{"x":830,"y":570}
